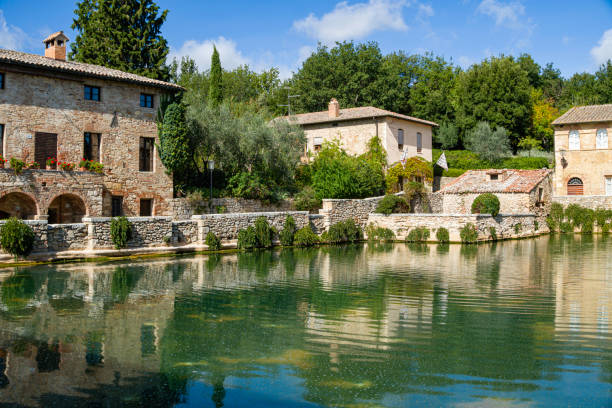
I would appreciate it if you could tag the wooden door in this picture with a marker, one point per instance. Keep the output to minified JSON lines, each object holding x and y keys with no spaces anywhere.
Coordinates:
{"x":45,"y":146}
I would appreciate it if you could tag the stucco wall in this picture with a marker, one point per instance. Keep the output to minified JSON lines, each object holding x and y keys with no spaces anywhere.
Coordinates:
{"x":34,"y":103}
{"x":410,"y":139}
{"x":589,"y":164}
{"x":504,"y":224}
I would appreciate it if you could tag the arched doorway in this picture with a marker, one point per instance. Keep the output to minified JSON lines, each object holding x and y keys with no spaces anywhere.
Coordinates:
{"x":66,"y":209}
{"x":575,"y":186}
{"x":17,"y":205}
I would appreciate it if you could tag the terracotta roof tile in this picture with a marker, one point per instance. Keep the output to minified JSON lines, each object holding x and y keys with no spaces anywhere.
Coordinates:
{"x":585,"y":114}
{"x":80,"y":68}
{"x":510,"y":181}
{"x":55,"y":35}
{"x":351,"y":114}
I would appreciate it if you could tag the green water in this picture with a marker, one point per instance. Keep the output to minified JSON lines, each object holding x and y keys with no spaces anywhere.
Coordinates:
{"x":521,"y":323}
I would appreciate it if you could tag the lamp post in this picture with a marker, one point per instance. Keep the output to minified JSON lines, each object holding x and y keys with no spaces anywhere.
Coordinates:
{"x":211,"y":167}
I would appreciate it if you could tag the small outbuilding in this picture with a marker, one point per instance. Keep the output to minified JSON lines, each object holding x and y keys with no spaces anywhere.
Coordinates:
{"x":519,"y":191}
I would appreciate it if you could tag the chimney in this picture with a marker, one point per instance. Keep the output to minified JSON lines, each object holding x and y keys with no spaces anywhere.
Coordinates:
{"x":334,"y":108}
{"x":55,"y":46}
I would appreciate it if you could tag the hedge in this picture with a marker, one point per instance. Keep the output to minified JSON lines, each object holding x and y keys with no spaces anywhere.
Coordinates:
{"x":486,"y":203}
{"x":459,"y":161}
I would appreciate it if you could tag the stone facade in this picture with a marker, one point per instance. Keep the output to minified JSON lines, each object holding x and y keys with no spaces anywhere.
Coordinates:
{"x":354,"y":136}
{"x":587,"y":201}
{"x":35,"y":100}
{"x":504,"y":224}
{"x":592,"y":165}
{"x":64,"y":237}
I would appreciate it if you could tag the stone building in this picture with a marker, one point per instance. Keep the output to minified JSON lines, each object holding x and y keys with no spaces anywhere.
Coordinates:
{"x":53,"y":108}
{"x":519,"y":191}
{"x":583,"y":155}
{"x":354,"y":127}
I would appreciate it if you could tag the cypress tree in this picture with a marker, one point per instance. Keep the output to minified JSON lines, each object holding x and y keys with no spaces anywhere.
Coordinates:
{"x":174,"y":149}
{"x":121,"y":34}
{"x":215,"y":90}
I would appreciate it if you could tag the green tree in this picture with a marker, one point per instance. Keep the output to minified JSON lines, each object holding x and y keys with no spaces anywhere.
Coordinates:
{"x":496,"y":91}
{"x":541,"y":130}
{"x":580,"y":89}
{"x":174,"y":143}
{"x":121,"y":34}
{"x":604,"y":82}
{"x":215,"y":90}
{"x":447,"y":136}
{"x":489,"y":145}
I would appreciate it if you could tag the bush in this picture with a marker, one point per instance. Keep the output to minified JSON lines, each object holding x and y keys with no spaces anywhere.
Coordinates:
{"x":415,"y":169}
{"x":556,"y":213}
{"x":287,"y":234}
{"x":392,"y":204}
{"x":249,"y":185}
{"x":375,"y":234}
{"x":17,"y":165}
{"x":486,"y":203}
{"x":247,"y":239}
{"x":344,"y":231}
{"x":305,"y":237}
{"x":442,"y":235}
{"x":469,"y":233}
{"x":536,"y":225}
{"x":306,"y":200}
{"x":418,"y":234}
{"x":461,"y":160}
{"x":16,"y":237}
{"x":493,"y":233}
{"x":566,"y":227}
{"x":264,"y":233}
{"x":490,"y":144}
{"x":120,"y":231}
{"x":518,"y":228}
{"x":552,"y":225}
{"x":213,"y":242}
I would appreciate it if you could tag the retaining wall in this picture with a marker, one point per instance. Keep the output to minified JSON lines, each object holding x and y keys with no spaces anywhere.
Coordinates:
{"x":589,"y":201}
{"x":336,"y":210}
{"x":504,"y":224}
{"x":183,"y":209}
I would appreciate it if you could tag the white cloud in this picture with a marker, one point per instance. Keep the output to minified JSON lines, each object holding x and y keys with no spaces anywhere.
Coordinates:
{"x":11,"y":37}
{"x":201,"y":52}
{"x":505,"y":14}
{"x":465,"y":62}
{"x":426,"y":10}
{"x":355,"y":21}
{"x":602,"y":52}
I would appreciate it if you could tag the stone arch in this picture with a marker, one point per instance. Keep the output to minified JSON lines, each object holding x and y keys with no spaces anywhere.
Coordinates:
{"x":67,"y":208}
{"x":16,"y":203}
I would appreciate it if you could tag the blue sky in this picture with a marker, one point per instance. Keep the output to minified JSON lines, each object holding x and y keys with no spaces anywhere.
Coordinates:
{"x":575,"y":35}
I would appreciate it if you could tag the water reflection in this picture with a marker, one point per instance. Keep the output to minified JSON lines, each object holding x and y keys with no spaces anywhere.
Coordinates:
{"x":376,"y":325}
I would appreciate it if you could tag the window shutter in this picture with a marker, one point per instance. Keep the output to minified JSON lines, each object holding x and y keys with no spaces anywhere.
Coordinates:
{"x":574,"y":140}
{"x":575,"y":186}
{"x":400,"y":136}
{"x":602,"y":139}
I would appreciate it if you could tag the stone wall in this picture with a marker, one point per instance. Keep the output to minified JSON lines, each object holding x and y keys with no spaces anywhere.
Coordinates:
{"x":31,"y":103}
{"x":504,"y":224}
{"x":336,"y":210}
{"x":226,"y":226}
{"x":317,"y":223}
{"x":146,"y":232}
{"x":183,"y":209}
{"x":592,"y":201}
{"x":40,"y":233}
{"x":184,"y":232}
{"x":63,"y":237}
{"x":441,"y":181}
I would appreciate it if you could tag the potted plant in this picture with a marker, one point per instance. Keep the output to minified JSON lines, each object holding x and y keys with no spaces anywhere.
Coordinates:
{"x":2,"y":161}
{"x":17,"y":165}
{"x":33,"y":165}
{"x":84,"y":165}
{"x":51,"y":162}
{"x":96,"y":167}
{"x":65,"y":166}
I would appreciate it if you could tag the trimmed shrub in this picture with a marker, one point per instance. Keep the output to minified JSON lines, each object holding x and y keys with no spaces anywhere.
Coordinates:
{"x":442,"y":235}
{"x":264,"y":232}
{"x":418,"y":234}
{"x":486,"y":203}
{"x":286,"y":236}
{"x":493,"y":233}
{"x":344,"y":231}
{"x":469,"y":233}
{"x":120,"y":231}
{"x":376,"y":234}
{"x":305,"y":237}
{"x":392,"y":204}
{"x":212,"y":241}
{"x":17,"y":238}
{"x":247,"y":239}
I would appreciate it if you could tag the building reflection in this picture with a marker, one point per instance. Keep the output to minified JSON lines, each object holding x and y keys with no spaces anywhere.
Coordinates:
{"x":362,"y":320}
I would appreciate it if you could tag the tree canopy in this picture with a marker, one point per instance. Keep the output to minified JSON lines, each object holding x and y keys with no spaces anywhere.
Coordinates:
{"x":121,"y":34}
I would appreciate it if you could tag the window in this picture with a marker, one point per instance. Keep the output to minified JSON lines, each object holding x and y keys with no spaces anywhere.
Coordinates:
{"x":116,"y":206}
{"x":146,"y":207}
{"x":146,"y":100}
{"x":574,"y":140}
{"x":400,"y":139}
{"x":317,"y":142}
{"x":602,"y":139}
{"x":609,"y":185}
{"x":1,"y":80}
{"x":146,"y":154}
{"x":91,"y":146}
{"x":494,"y":176}
{"x":419,"y":142}
{"x":2,"y":140}
{"x":540,"y":194}
{"x":45,"y":147}
{"x":92,"y":93}
{"x":575,"y":186}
